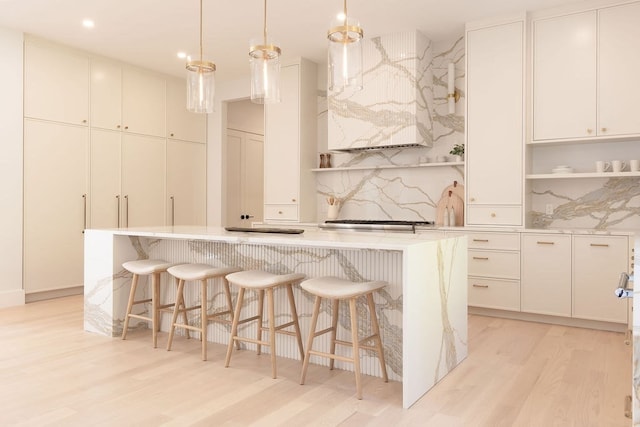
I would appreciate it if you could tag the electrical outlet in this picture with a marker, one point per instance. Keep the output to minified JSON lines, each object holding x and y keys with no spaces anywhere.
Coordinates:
{"x":549,"y":209}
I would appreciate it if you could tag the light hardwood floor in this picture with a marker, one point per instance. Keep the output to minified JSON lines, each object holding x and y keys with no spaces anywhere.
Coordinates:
{"x":517,"y":374}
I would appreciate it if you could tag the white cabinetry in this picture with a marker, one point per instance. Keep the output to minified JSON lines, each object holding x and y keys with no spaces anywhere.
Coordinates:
{"x":494,"y":270}
{"x":597,"y":264}
{"x":55,"y":191}
{"x":127,"y":98}
{"x":186,"y":183}
{"x":546,"y":274}
{"x":494,"y":124}
{"x":143,"y":180}
{"x":181,"y":123}
{"x":584,"y":83}
{"x":245,"y":177}
{"x":56,"y":84}
{"x":127,"y":180}
{"x":290,"y":146}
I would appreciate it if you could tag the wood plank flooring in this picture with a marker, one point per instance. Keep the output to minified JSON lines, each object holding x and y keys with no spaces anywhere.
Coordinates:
{"x":517,"y":374}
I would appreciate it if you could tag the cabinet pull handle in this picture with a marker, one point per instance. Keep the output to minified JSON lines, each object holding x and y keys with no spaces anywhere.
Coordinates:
{"x":475,"y":285}
{"x":280,"y":212}
{"x":118,"y":127}
{"x":482,"y":258}
{"x":542,"y":242}
{"x":293,"y":200}
{"x":126,"y":209}
{"x":493,"y":214}
{"x":481,"y":240}
{"x":84,"y":121}
{"x":84,"y":212}
{"x":126,"y":127}
{"x":589,"y":131}
{"x":472,"y":199}
{"x":118,"y":209}
{"x":604,"y":129}
{"x":173,"y":211}
{"x":602,"y":245}
{"x":172,"y":134}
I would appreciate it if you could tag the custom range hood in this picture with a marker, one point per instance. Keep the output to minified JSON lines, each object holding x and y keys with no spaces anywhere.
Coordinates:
{"x":394,"y":107}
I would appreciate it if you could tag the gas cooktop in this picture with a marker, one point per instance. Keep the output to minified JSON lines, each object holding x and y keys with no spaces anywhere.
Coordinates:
{"x":374,"y":224}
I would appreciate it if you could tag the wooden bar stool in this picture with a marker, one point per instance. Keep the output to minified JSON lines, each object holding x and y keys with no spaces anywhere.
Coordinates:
{"x":263,"y":281}
{"x":153,"y":267}
{"x":338,"y":290}
{"x":202,"y":273}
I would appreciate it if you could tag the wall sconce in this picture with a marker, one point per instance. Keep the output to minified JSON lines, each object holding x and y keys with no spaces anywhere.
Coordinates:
{"x":452,"y":94}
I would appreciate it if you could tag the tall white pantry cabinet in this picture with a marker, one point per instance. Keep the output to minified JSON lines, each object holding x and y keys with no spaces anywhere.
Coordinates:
{"x":104,"y":147}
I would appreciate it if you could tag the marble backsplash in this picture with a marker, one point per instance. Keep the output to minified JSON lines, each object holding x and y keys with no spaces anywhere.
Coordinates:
{"x":403,"y":191}
{"x":411,"y":193}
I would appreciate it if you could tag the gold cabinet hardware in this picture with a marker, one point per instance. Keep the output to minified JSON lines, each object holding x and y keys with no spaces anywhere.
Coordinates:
{"x":542,"y":242}
{"x":475,"y":285}
{"x":280,"y":212}
{"x":117,"y":126}
{"x":601,"y":245}
{"x":603,"y":129}
{"x":84,"y":121}
{"x":481,"y":240}
{"x":482,"y":258}
{"x":126,"y":127}
{"x":493,"y":214}
{"x":171,"y":134}
{"x":293,"y":200}
{"x":473,"y":199}
{"x":589,"y":131}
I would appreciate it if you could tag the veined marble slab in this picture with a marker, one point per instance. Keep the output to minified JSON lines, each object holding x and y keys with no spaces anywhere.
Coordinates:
{"x":422,"y":311}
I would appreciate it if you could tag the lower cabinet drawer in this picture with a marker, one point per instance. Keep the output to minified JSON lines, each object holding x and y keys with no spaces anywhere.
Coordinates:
{"x":503,"y":265}
{"x":494,"y":215}
{"x":497,"y":294}
{"x":281,"y":212}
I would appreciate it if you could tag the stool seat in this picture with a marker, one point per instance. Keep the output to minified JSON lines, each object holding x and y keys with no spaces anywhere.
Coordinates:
{"x":335,"y":288}
{"x":147,"y":266}
{"x":264,"y":282}
{"x":257,"y":279}
{"x":153,"y":268}
{"x":198,"y":271}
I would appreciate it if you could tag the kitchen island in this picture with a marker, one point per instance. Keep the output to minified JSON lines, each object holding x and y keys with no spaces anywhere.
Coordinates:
{"x":422,"y":312}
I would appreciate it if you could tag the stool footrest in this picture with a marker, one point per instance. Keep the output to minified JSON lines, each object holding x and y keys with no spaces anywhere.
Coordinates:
{"x":142,"y":301}
{"x":331,"y":356}
{"x":251,"y":340}
{"x":361,"y":344}
{"x":139,"y":316}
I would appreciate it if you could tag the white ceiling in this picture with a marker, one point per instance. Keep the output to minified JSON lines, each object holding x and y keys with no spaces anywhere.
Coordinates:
{"x":149,"y":33}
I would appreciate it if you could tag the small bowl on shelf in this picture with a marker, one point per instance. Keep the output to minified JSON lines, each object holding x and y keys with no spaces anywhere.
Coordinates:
{"x":562,"y":169}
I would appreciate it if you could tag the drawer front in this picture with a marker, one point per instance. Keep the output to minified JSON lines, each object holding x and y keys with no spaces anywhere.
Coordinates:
{"x":494,"y":215}
{"x":281,"y":212}
{"x":504,"y":265}
{"x":496,"y":294}
{"x":497,"y":241}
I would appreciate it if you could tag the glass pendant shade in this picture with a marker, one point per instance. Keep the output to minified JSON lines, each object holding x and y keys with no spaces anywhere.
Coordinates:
{"x":200,"y":86}
{"x":345,"y":55}
{"x":201,"y":81}
{"x":264,"y":61}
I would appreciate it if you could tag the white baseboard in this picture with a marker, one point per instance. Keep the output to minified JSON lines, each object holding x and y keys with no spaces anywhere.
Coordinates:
{"x":12,"y":298}
{"x":54,"y":293}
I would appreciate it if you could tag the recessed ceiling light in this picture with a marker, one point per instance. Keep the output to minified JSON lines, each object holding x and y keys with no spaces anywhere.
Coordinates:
{"x":182,"y":55}
{"x":88,"y":23}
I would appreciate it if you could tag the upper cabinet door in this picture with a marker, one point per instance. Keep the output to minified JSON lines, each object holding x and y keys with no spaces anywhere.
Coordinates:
{"x":143,"y":102}
{"x":495,"y":114}
{"x":106,"y":94}
{"x":56,"y":84}
{"x":618,"y":65}
{"x":181,"y":123}
{"x":282,"y":141}
{"x":564,"y":73}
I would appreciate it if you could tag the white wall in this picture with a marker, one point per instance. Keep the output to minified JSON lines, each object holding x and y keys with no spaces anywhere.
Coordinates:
{"x":11,"y":291}
{"x":245,"y":116}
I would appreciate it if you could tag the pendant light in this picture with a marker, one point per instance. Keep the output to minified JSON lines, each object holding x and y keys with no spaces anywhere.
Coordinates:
{"x":200,"y":81}
{"x":345,"y":53}
{"x":264,"y":60}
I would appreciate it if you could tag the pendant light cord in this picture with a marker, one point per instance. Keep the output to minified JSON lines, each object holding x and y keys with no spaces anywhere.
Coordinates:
{"x":265,"y":22}
{"x":201,"y":30}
